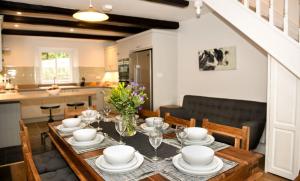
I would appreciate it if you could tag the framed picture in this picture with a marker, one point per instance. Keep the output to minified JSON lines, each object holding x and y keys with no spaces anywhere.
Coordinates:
{"x":217,"y":59}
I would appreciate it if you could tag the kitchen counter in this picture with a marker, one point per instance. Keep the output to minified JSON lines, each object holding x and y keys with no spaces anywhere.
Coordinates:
{"x":17,"y":97}
{"x":11,"y":110}
{"x":43,"y":88}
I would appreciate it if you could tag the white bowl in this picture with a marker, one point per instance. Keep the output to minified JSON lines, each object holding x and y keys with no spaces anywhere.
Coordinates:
{"x":89,"y":113}
{"x":197,"y":155}
{"x":71,"y":122}
{"x":53,"y":92}
{"x":84,"y":134}
{"x":119,"y":154}
{"x":196,"y":133}
{"x":150,"y":121}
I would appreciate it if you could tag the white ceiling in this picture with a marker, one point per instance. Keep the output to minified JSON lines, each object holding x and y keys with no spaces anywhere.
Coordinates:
{"x":137,"y":8}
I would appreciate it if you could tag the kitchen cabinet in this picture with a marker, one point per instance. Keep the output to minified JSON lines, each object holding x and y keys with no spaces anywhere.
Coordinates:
{"x":111,"y":58}
{"x":164,"y":61}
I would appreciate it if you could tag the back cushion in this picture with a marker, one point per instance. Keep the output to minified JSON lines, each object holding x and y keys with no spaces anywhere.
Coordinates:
{"x":225,"y":111}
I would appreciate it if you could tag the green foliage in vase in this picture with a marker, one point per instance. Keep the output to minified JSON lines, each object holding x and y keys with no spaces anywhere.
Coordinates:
{"x":127,"y":99}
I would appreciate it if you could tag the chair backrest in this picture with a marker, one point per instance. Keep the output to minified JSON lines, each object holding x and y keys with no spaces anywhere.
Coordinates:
{"x":178,"y":121}
{"x":240,"y":135}
{"x":26,"y":133}
{"x":71,"y":113}
{"x":31,"y":170}
{"x":144,"y":113}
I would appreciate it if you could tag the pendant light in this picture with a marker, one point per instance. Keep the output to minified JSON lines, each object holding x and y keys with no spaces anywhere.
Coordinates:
{"x":90,"y":15}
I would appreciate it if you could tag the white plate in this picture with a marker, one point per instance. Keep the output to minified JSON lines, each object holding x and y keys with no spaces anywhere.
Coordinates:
{"x":147,"y":128}
{"x":63,"y":129}
{"x":85,"y":144}
{"x":208,"y":141}
{"x":109,"y":166}
{"x":138,"y":156}
{"x":197,"y":172}
{"x":211,"y":166}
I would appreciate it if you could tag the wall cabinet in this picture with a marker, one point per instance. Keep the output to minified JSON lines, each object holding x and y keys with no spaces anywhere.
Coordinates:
{"x":111,"y":58}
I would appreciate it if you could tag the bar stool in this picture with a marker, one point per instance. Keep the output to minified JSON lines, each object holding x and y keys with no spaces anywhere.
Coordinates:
{"x":75,"y":104}
{"x":50,"y":120}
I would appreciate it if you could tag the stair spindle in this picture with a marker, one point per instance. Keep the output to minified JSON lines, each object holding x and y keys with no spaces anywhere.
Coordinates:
{"x":258,"y":7}
{"x":246,"y":3}
{"x":286,"y":17}
{"x":271,"y":12}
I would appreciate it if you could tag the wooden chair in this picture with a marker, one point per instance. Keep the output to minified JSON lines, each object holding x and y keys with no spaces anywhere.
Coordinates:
{"x":240,"y":135}
{"x":71,"y":113}
{"x":31,"y":170}
{"x":144,"y":113}
{"x":26,"y":133}
{"x":178,"y":121}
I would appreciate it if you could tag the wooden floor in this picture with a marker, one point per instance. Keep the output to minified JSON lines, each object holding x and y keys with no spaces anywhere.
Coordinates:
{"x":16,"y":172}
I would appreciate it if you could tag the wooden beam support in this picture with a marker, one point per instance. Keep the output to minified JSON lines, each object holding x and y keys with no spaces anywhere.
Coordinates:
{"x":141,"y":22}
{"x":59,"y":34}
{"x":178,"y":3}
{"x":71,"y":24}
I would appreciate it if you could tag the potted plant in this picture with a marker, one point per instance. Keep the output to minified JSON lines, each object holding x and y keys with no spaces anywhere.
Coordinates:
{"x":127,"y":100}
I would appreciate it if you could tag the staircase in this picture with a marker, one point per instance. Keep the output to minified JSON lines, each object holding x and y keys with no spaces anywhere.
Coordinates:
{"x":272,"y":24}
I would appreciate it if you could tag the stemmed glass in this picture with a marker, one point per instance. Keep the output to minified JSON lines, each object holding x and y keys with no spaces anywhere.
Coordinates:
{"x":106,"y":110}
{"x":158,"y":124}
{"x":99,"y":118}
{"x":120,"y":127}
{"x":181,"y":134}
{"x":155,"y":139}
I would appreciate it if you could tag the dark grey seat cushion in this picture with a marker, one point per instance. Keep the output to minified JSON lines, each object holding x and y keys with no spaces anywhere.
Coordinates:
{"x":236,"y":113}
{"x":64,"y":174}
{"x":49,"y":161}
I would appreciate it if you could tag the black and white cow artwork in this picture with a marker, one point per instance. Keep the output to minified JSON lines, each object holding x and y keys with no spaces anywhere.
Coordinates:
{"x":217,"y":59}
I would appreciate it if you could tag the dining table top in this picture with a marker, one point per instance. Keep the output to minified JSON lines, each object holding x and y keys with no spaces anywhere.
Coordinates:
{"x":247,"y":161}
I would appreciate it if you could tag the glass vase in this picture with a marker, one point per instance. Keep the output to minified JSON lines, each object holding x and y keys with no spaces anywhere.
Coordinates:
{"x":130,"y":123}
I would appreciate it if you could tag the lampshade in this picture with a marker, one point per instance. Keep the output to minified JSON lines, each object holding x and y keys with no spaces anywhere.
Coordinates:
{"x":91,"y":15}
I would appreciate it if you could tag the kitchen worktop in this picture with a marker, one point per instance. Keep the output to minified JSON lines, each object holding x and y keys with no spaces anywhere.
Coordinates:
{"x":20,"y":96}
{"x":61,"y":87}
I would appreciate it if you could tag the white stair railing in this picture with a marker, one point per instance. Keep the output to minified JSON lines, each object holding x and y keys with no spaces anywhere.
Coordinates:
{"x":288,"y":21}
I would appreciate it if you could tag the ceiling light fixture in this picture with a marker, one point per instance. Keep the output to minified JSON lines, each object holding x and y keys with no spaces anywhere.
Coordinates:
{"x":16,"y":25}
{"x":90,"y":15}
{"x":72,"y":30}
{"x":198,"y":4}
{"x":19,"y":13}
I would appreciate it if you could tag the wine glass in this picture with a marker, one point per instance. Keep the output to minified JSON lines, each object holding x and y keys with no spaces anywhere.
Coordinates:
{"x":98,"y":121}
{"x":106,"y":110}
{"x":120,"y":127}
{"x":181,"y":134}
{"x":158,"y":124}
{"x":155,"y":139}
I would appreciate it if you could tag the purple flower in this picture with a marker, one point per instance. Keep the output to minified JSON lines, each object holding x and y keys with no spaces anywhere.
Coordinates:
{"x":134,"y":84}
{"x":140,"y":108}
{"x":141,"y":98}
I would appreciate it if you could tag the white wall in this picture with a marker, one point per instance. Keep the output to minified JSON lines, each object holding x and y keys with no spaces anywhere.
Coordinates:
{"x":247,"y":82}
{"x":24,"y":49}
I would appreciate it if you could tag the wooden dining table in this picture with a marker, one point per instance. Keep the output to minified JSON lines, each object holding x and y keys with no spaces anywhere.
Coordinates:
{"x":248,"y":162}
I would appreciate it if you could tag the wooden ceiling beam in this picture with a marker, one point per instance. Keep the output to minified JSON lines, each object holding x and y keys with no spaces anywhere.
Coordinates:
{"x":71,"y":24}
{"x":59,"y":34}
{"x":177,"y":3}
{"x":142,"y":22}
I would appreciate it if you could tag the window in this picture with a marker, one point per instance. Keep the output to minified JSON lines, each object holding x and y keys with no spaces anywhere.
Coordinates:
{"x":56,"y":65}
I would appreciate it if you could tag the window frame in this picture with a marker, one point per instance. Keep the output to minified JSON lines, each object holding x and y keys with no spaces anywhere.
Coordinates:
{"x":55,"y":50}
